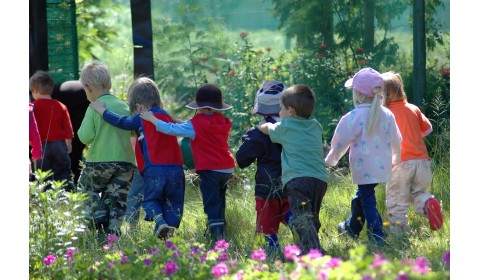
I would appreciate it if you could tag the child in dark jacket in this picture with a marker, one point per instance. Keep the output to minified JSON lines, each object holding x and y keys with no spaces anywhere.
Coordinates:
{"x":271,"y":202}
{"x":158,"y":156}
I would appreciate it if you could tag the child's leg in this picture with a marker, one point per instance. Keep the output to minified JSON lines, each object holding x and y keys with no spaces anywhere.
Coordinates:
{"x":305,"y":195}
{"x":213,"y":188}
{"x":134,"y":199}
{"x":269,"y":216}
{"x":93,"y":181}
{"x":397,"y":194}
{"x":116,"y":194}
{"x":173,"y":203}
{"x":61,"y":165}
{"x":423,"y":202}
{"x":421,"y":183}
{"x":353,"y":225}
{"x":369,"y":204}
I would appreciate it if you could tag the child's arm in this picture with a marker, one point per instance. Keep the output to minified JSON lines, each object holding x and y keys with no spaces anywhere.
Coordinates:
{"x":69,"y":145}
{"x":250,"y":149}
{"x":120,"y":121}
{"x":264,"y":128}
{"x":340,"y":143}
{"x":181,"y":129}
{"x":98,"y":106}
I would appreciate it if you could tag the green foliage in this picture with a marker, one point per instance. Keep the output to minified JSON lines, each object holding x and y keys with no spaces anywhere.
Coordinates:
{"x":55,"y":220}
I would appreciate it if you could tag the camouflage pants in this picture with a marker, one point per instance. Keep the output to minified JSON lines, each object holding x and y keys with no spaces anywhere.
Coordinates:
{"x":106,"y":185}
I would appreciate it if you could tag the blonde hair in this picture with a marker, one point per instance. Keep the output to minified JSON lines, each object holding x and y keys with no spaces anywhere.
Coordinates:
{"x":145,"y":92}
{"x":96,"y":75}
{"x":376,"y":102}
{"x":42,"y":82}
{"x":393,"y":87}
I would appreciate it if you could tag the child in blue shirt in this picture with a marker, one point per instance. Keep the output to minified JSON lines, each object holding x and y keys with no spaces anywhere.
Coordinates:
{"x":158,"y":156}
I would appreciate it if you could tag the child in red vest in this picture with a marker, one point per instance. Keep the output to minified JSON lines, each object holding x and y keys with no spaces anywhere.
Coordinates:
{"x":209,"y":131}
{"x":158,"y":156}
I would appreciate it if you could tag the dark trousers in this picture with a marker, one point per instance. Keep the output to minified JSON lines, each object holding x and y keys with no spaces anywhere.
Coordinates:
{"x":305,"y":195}
{"x":213,"y":186}
{"x":55,"y":157}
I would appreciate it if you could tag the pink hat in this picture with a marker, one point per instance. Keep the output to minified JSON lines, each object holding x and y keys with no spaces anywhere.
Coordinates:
{"x":365,"y":81}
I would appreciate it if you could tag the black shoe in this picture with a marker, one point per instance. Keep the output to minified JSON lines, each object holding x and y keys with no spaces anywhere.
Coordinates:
{"x":342,"y":229}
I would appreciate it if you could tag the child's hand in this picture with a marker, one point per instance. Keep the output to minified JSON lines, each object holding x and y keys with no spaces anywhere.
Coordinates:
{"x":98,"y":106}
{"x":148,"y":116}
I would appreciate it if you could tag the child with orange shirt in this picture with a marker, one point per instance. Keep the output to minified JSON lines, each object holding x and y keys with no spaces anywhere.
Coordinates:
{"x":412,"y":177}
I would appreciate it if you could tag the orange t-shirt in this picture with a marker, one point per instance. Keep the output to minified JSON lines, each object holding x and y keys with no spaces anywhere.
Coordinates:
{"x":413,"y":125}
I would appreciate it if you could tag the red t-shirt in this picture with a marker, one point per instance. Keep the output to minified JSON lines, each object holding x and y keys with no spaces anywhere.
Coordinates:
{"x":53,"y":120}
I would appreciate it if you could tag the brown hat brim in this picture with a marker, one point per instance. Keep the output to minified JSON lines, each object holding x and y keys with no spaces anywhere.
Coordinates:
{"x":216,"y":106}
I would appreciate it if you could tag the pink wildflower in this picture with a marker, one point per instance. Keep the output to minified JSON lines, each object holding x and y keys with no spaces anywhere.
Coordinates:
{"x":221,"y":245}
{"x":70,"y":253}
{"x":48,"y":260}
{"x":110,"y":265}
{"x":153,"y":251}
{"x":112,"y":238}
{"x":170,"y":268}
{"x":446,"y":258}
{"x":422,"y":266}
{"x":314,"y":254}
{"x":291,"y":252}
{"x":239,"y":275}
{"x":333,"y":262}
{"x":169,"y":244}
{"x":258,"y":255}
{"x":402,"y":276}
{"x":378,"y":261}
{"x":147,"y":261}
{"x":124,"y":260}
{"x":219,"y":270}
{"x":222,"y":257}
{"x":243,"y":34}
{"x":322,"y":275}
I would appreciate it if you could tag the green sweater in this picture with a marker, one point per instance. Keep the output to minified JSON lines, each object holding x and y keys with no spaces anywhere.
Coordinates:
{"x":105,"y":142}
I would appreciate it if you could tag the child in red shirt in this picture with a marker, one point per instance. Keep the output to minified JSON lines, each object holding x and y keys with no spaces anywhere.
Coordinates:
{"x":55,"y":129}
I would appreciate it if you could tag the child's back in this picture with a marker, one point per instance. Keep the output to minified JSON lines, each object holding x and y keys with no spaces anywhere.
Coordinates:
{"x":271,"y":202}
{"x":412,"y":177}
{"x":110,"y":160}
{"x":55,"y":128}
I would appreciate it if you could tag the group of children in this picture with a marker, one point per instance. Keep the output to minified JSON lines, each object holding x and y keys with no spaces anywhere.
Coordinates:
{"x":383,"y":134}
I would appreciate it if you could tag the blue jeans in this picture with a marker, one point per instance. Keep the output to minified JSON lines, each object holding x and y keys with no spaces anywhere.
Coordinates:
{"x":135,"y":198}
{"x":364,"y":207}
{"x":164,"y":195}
{"x":213,"y":186}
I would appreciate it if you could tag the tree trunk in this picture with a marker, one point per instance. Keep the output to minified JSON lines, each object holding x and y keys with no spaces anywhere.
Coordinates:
{"x":142,"y":38}
{"x":369,"y":24}
{"x":419,"y":52}
{"x":327,"y":23}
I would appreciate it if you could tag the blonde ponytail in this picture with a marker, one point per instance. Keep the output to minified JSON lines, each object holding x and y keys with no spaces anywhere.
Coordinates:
{"x":373,"y":114}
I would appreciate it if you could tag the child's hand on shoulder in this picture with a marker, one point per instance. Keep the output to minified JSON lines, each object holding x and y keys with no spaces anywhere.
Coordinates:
{"x":148,"y":116}
{"x":98,"y":106}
